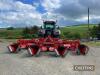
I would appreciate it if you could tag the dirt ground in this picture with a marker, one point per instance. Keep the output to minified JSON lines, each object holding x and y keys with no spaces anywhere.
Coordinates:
{"x":46,"y":64}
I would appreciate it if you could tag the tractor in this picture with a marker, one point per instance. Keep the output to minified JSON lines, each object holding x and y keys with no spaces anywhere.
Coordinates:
{"x":49,"y":41}
{"x":49,"y":28}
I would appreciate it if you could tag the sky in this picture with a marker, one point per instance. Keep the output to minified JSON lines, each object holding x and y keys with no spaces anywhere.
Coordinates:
{"x":22,"y":13}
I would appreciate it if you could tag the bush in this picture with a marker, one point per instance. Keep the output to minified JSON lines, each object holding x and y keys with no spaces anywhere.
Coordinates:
{"x":95,"y":31}
{"x":10,"y":28}
{"x":31,"y":32}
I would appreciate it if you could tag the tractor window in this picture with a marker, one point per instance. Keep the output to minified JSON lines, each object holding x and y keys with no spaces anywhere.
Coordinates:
{"x":49,"y":26}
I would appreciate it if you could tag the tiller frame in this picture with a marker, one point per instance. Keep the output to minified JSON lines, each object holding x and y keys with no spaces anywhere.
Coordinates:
{"x":59,"y":46}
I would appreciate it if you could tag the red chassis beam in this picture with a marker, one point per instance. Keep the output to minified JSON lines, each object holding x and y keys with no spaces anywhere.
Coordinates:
{"x":59,"y":46}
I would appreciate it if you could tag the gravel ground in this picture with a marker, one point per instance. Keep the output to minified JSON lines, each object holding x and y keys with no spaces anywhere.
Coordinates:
{"x":46,"y":64}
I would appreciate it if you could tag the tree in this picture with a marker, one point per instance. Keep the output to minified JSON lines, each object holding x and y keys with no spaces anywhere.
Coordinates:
{"x":25,"y":32}
{"x":98,"y":31}
{"x":30,"y":32}
{"x":34,"y":29}
{"x":10,"y":28}
{"x":95,"y":31}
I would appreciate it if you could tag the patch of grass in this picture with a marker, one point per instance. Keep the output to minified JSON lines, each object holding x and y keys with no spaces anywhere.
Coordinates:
{"x":10,"y":34}
{"x":79,"y":29}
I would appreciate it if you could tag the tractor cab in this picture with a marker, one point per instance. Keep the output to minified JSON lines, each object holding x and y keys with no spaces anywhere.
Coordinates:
{"x":49,"y":25}
{"x":49,"y":28}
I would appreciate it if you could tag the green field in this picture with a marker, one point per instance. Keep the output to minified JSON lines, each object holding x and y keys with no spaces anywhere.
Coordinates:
{"x":10,"y":34}
{"x":17,"y":33}
{"x":80,"y":29}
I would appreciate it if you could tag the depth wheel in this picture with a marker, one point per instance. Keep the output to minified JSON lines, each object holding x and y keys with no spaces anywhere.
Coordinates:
{"x":32,"y":50}
{"x":86,"y":50}
{"x":83,"y":49}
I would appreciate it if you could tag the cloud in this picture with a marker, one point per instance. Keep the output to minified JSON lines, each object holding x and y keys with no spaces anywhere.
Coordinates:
{"x":50,"y":5}
{"x":36,"y":4}
{"x":6,"y":5}
{"x":71,"y":9}
{"x":74,"y":10}
{"x":78,"y":9}
{"x":18,"y":14}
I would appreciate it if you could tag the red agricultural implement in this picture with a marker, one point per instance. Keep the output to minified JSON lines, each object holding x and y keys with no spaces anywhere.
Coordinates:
{"x":49,"y":41}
